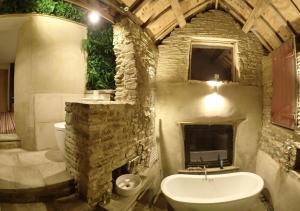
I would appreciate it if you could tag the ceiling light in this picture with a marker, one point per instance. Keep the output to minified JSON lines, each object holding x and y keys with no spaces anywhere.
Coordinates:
{"x":94,"y":17}
{"x":215,"y":83}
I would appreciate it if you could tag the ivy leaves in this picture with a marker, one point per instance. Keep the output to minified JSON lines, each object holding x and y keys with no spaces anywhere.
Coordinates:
{"x":101,"y":58}
{"x":68,"y":11}
{"x":99,"y":45}
{"x":49,"y":7}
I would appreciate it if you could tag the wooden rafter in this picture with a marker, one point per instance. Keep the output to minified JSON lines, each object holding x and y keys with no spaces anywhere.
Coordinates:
{"x":275,"y":20}
{"x":93,"y":5}
{"x":128,"y":3}
{"x":297,"y":3}
{"x":167,"y":21}
{"x":150,"y":9}
{"x":255,"y":14}
{"x":289,"y":11}
{"x":216,"y":4}
{"x":260,"y":26}
{"x":178,"y":13}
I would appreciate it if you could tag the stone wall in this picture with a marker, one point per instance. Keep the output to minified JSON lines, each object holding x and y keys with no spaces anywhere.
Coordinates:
{"x":173,"y":63}
{"x":179,"y":100}
{"x":277,"y":152}
{"x":104,"y":136}
{"x":276,"y":141}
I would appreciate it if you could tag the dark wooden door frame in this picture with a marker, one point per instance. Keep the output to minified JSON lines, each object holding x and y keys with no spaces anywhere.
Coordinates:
{"x":4,"y":90}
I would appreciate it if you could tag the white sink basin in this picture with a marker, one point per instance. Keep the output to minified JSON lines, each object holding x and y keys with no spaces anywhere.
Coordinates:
{"x":128,"y":184}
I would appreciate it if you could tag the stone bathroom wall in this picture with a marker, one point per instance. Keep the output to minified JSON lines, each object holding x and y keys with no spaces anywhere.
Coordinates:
{"x":104,"y":136}
{"x":180,"y":100}
{"x":277,"y":152}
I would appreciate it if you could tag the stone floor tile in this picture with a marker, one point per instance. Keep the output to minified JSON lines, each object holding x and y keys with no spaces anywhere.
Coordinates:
{"x":55,"y":156}
{"x":8,"y":159}
{"x":24,"y":207}
{"x":9,"y":137}
{"x":54,"y":173}
{"x":28,"y":177}
{"x":50,"y":169}
{"x":7,"y":178}
{"x":258,"y":206}
{"x":12,"y":151}
{"x":33,"y":158}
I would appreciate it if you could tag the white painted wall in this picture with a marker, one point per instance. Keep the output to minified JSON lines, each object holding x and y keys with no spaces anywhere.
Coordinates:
{"x":178,"y":102}
{"x":283,"y":186}
{"x":50,"y":69}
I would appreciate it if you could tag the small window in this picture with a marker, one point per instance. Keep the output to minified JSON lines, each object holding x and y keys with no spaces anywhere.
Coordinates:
{"x":207,"y":63}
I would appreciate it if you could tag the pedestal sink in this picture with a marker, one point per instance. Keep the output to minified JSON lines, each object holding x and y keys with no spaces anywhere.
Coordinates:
{"x":128,"y":184}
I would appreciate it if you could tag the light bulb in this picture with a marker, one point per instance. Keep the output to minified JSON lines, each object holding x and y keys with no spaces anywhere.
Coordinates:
{"x":94,"y":17}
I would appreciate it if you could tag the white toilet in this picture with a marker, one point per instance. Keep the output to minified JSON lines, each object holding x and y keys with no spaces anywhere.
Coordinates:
{"x":60,"y":128}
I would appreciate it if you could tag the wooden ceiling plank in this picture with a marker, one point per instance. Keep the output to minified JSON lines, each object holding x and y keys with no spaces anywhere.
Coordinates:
{"x":236,"y":16}
{"x":277,"y":23}
{"x":178,"y":13}
{"x":275,"y":20}
{"x":216,"y":4}
{"x":166,"y":20}
{"x":93,"y":6}
{"x":289,"y":11}
{"x":297,"y":3}
{"x":151,"y":9}
{"x":194,"y":5}
{"x":128,"y":3}
{"x":262,"y":41}
{"x":240,"y":7}
{"x":194,"y":10}
{"x":161,"y":22}
{"x":256,"y":12}
{"x":265,"y":31}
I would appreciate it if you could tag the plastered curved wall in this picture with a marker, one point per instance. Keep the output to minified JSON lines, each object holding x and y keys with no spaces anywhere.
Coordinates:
{"x":50,"y":69}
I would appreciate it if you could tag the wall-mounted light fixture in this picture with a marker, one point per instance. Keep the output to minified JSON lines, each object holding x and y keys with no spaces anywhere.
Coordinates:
{"x":215,"y":83}
{"x":94,"y":17}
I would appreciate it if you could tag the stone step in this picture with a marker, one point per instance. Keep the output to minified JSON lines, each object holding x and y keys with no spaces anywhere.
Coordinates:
{"x":33,"y":176}
{"x":71,"y":203}
{"x":39,"y":194}
{"x":9,"y":141}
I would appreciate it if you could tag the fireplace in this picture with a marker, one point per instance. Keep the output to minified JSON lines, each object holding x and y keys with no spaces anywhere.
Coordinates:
{"x":208,"y":145}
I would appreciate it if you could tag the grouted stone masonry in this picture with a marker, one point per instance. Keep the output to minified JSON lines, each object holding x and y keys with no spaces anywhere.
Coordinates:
{"x":173,"y":87}
{"x":173,"y":62}
{"x":278,"y":142}
{"x":103,"y":136}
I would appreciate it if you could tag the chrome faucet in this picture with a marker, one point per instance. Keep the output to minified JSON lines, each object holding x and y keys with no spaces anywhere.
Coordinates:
{"x":204,"y":168}
{"x":205,"y":172}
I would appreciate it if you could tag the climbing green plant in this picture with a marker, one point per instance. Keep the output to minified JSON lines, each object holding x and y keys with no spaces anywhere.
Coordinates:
{"x":101,"y":58}
{"x":49,"y":7}
{"x":99,"y":43}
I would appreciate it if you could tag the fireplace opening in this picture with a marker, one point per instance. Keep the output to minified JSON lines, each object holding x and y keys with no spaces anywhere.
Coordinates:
{"x":208,"y":145}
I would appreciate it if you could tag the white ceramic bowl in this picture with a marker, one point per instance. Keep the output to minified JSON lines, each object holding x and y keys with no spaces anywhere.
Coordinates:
{"x":128,"y":184}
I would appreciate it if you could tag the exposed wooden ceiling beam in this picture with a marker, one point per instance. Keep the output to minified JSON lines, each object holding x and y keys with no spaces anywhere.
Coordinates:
{"x":289,"y":11}
{"x":178,"y":13}
{"x":122,"y":10}
{"x":297,"y":3}
{"x":260,"y":26}
{"x":93,"y":5}
{"x":275,"y":20}
{"x":255,"y":14}
{"x":150,"y":9}
{"x":216,"y":4}
{"x":196,"y":7}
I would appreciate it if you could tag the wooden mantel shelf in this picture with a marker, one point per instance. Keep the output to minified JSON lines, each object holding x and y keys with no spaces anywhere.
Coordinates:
{"x":226,"y":169}
{"x":214,"y":120}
